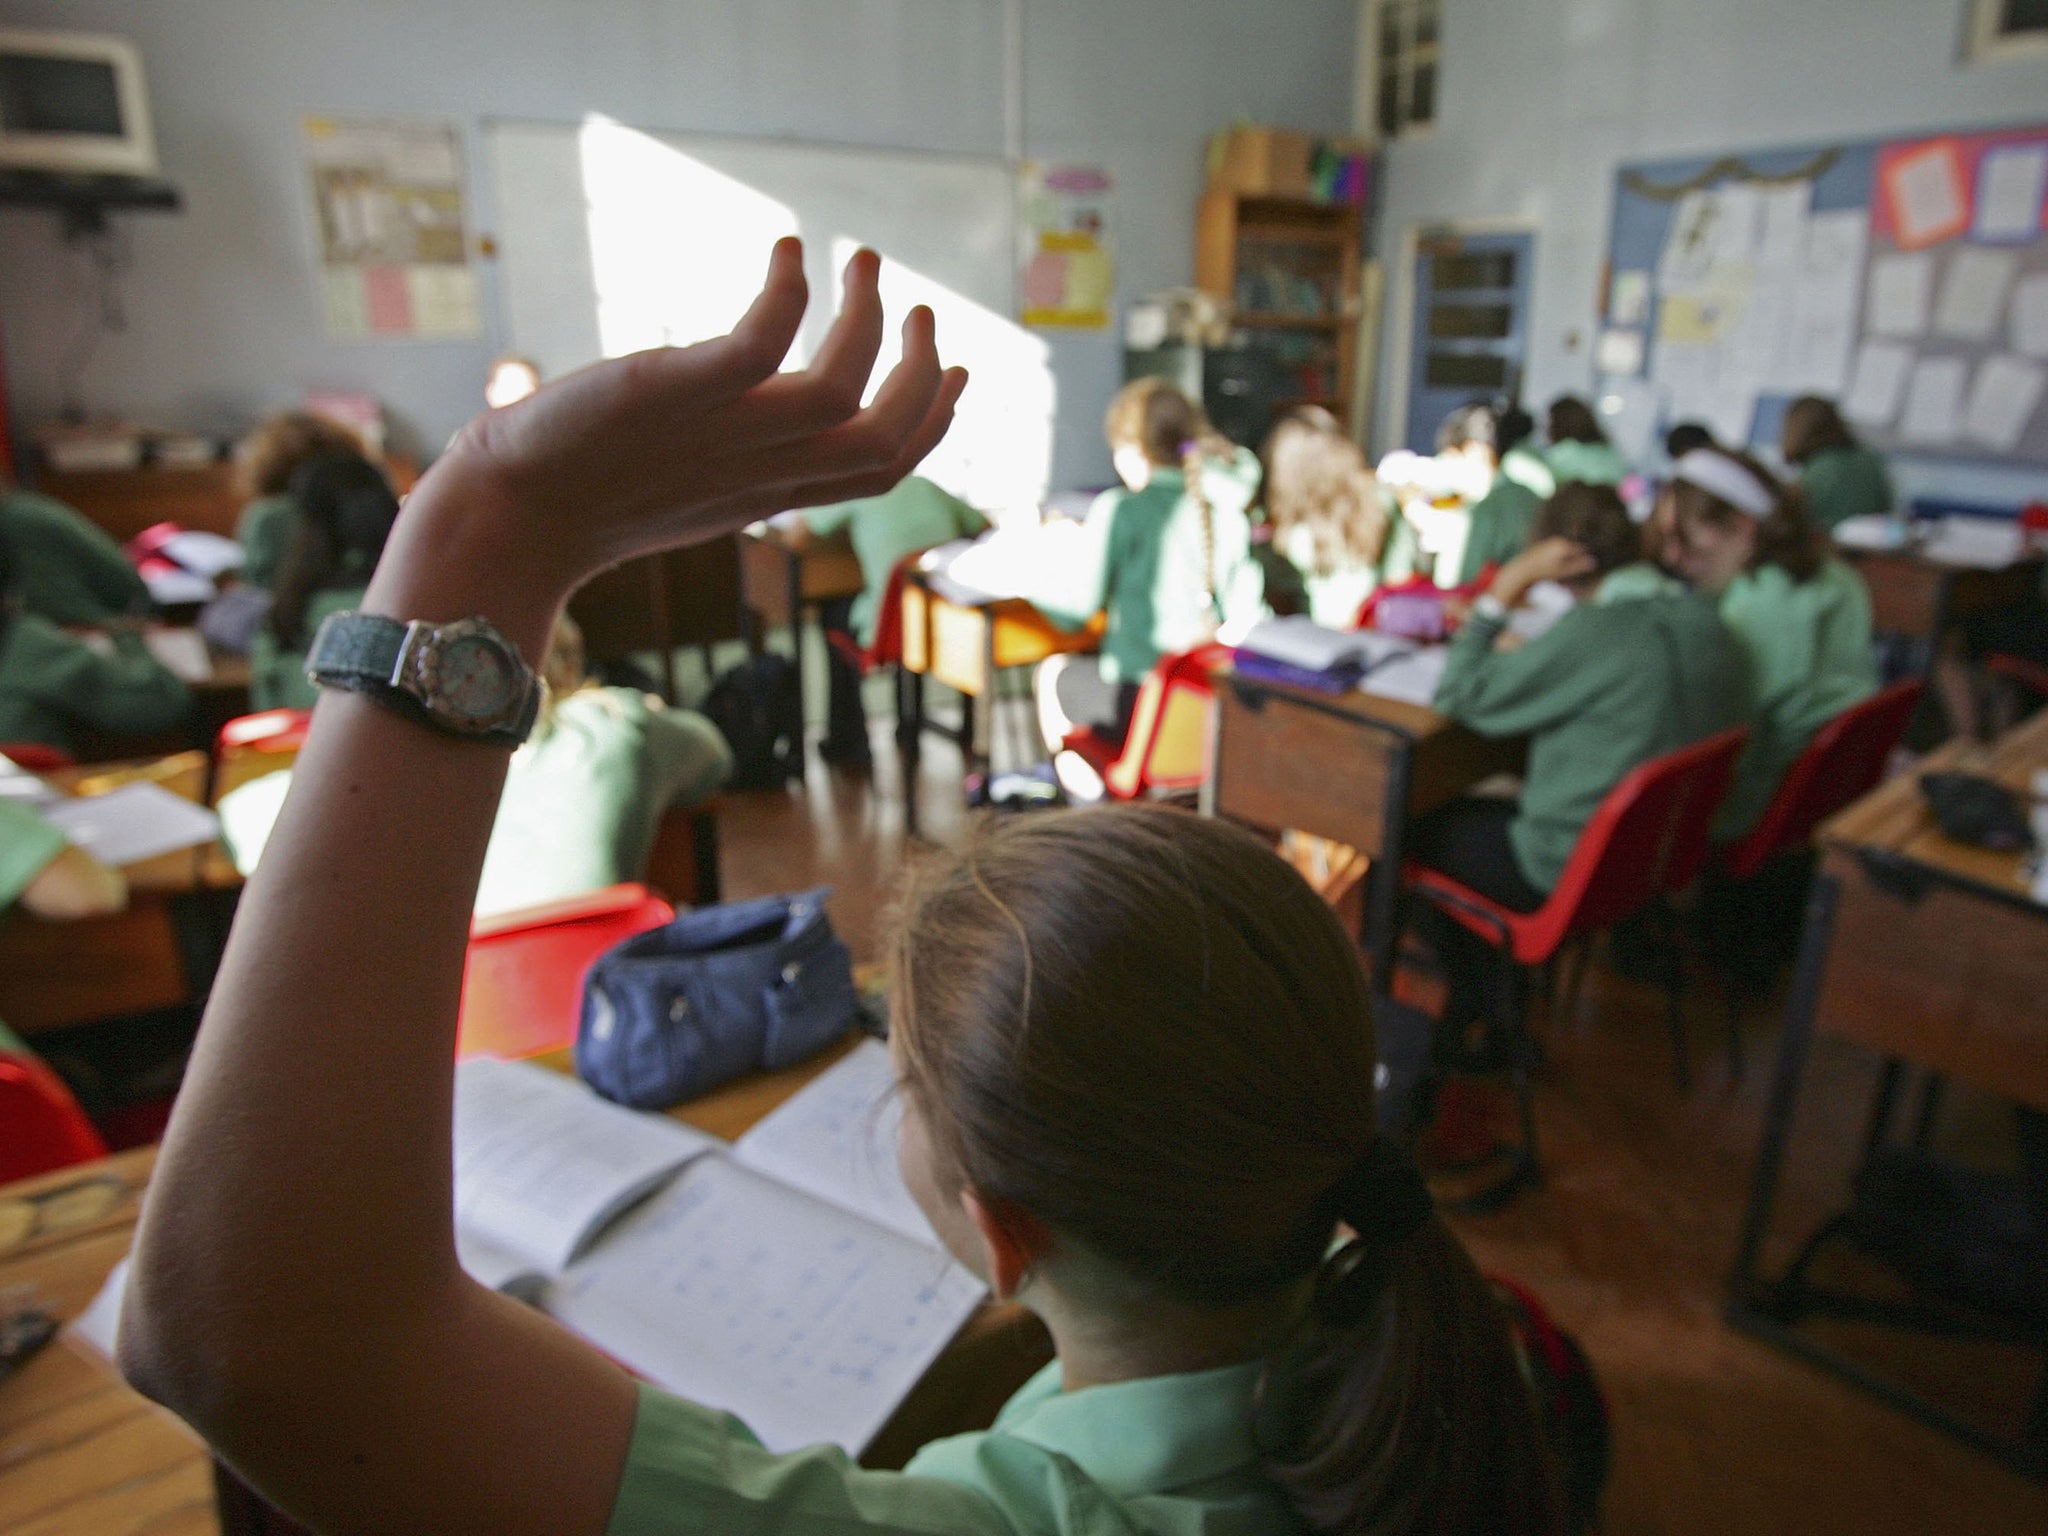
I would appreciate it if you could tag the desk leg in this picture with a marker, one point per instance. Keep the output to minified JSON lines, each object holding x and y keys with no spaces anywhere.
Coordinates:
{"x":1792,"y":1053}
{"x":1382,"y":936}
{"x":794,"y":764}
{"x":910,"y":738}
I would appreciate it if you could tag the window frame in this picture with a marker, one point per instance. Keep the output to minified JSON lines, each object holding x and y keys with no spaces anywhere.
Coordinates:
{"x":1984,"y":41}
{"x":1411,"y":58}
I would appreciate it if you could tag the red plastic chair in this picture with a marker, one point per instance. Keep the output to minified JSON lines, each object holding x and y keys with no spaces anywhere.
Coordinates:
{"x":1844,"y":761}
{"x":249,"y":746}
{"x":523,"y":989}
{"x":2030,"y":675}
{"x":36,"y":757}
{"x":1650,"y":837}
{"x":41,"y":1126}
{"x":1167,"y":746}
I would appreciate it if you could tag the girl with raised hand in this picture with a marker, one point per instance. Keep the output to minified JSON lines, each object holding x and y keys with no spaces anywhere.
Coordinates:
{"x":1163,"y":1192}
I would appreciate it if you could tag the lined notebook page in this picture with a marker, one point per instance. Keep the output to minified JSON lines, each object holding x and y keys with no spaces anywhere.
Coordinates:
{"x":836,"y":1139}
{"x":542,"y":1163}
{"x":808,"y":1323}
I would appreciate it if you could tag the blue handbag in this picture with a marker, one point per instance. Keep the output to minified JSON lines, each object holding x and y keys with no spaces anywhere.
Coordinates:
{"x":720,"y":992}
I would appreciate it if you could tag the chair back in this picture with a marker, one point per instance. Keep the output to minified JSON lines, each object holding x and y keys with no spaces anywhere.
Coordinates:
{"x":1844,"y":762}
{"x":1171,"y":726}
{"x":523,"y":990}
{"x":249,"y":746}
{"x":41,"y":1126}
{"x":36,"y":757}
{"x":1649,"y":837}
{"x":2030,"y":675}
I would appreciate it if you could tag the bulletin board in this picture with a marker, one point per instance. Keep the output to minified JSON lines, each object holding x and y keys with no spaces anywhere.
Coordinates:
{"x":1907,"y":279}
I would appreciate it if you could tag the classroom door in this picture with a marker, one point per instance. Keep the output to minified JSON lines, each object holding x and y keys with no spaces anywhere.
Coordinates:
{"x":1470,"y":326}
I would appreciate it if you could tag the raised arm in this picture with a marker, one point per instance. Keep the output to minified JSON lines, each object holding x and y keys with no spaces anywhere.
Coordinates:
{"x":295,"y":1292}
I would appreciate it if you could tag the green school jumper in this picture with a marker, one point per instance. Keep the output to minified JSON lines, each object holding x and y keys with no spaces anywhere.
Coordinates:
{"x":1594,"y":463}
{"x":1606,"y":688}
{"x":916,"y":515}
{"x":1162,"y":1456}
{"x":263,"y":530}
{"x":1500,"y":527}
{"x":277,"y":675}
{"x":1841,"y":483}
{"x":67,"y":568}
{"x":54,"y":686}
{"x":1808,"y":648}
{"x":1525,"y":465}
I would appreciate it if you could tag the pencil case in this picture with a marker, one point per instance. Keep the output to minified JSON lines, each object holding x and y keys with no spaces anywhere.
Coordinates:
{"x":722,"y":991}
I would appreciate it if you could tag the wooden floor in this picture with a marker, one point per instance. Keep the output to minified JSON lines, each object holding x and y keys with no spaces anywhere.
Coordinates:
{"x":1628,"y":1242}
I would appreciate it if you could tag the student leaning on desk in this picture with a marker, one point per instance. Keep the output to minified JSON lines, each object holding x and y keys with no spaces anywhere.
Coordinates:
{"x":69,"y":570}
{"x":1163,"y":1192}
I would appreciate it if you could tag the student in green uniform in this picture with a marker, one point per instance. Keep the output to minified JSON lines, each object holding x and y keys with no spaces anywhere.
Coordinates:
{"x":1329,"y":518}
{"x":1578,"y":449}
{"x":265,"y":462}
{"x":57,"y":687}
{"x":1609,"y":686}
{"x":1505,"y":508}
{"x":1841,"y":478}
{"x":584,"y":796}
{"x":1137,"y":1076}
{"x":67,"y":569}
{"x":341,"y":510}
{"x":1801,"y":616}
{"x":914,"y":515}
{"x":1169,"y":559}
{"x":1521,"y":456}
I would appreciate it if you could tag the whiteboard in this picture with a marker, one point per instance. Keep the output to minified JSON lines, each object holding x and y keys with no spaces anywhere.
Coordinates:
{"x":612,"y":239}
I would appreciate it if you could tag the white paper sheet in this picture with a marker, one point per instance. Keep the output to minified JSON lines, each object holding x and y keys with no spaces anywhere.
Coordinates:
{"x":172,"y":586}
{"x":836,"y":1139}
{"x":99,"y":1325}
{"x":1299,"y":641}
{"x":207,"y":554}
{"x":1690,"y":243}
{"x":1736,"y":230}
{"x":1814,"y":355}
{"x":542,"y":1163}
{"x":1870,"y":530}
{"x":2030,"y":315}
{"x":1932,"y":415}
{"x":1412,"y":679}
{"x":1901,"y":288}
{"x":1980,"y":543}
{"x":2012,"y":181}
{"x":1878,"y":384}
{"x":1928,"y":197}
{"x":745,"y":1295}
{"x":133,"y":823}
{"x":2003,"y":398}
{"x":1973,"y":291}
{"x":182,"y":651}
{"x":1781,"y":226}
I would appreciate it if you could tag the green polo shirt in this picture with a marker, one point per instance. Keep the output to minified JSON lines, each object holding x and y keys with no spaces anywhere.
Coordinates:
{"x":1500,"y":527}
{"x":55,"y":686}
{"x":914,"y":516}
{"x":1166,"y":1455}
{"x":1841,"y":483}
{"x":263,"y":529}
{"x":1593,"y":463}
{"x":277,"y":674}
{"x":67,"y":568}
{"x":1605,"y":689}
{"x":1808,"y":647}
{"x":27,"y":845}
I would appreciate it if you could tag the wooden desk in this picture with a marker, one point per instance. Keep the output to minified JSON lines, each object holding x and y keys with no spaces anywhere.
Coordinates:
{"x":660,"y":602}
{"x":1934,"y":954}
{"x":82,"y":1453}
{"x":1350,"y":767}
{"x":781,"y":584}
{"x":1919,"y":598}
{"x":207,"y":497}
{"x":156,"y":954}
{"x":968,"y":644}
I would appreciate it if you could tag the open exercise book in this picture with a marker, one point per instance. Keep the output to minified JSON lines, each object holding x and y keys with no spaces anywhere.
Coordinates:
{"x":787,"y":1278}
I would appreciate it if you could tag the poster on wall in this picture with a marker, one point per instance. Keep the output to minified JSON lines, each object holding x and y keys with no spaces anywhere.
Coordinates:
{"x":1066,"y":260}
{"x":393,"y":231}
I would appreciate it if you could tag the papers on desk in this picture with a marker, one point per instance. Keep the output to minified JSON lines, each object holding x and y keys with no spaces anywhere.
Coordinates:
{"x":133,"y":823}
{"x":1301,"y":642}
{"x":202,"y":553}
{"x":1411,"y":679}
{"x":99,"y":1325}
{"x":1872,"y":531}
{"x":183,"y":653}
{"x":788,"y":1279}
{"x":171,"y":585}
{"x":1976,"y":543}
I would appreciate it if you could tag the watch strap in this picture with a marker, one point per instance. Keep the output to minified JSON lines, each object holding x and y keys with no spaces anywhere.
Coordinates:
{"x":361,"y":652}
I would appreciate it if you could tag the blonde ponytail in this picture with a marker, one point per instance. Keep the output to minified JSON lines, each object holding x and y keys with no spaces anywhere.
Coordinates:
{"x":1193,"y":462}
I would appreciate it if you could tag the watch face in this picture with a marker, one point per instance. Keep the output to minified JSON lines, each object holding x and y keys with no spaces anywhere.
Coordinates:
{"x":474,"y":678}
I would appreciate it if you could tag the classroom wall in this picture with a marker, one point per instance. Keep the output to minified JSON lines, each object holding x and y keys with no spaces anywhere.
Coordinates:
{"x":1542,"y":99}
{"x":222,"y":321}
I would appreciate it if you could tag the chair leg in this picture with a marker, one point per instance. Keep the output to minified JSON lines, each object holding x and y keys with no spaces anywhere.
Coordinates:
{"x":1575,"y":977}
{"x":1731,"y":996}
{"x":1524,"y":1170}
{"x":1674,"y":995}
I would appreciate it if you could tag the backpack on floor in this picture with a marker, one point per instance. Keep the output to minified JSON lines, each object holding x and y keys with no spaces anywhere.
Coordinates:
{"x":1568,"y":1401}
{"x":752,"y":705}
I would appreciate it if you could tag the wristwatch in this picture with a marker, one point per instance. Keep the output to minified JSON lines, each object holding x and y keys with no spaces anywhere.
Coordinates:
{"x":464,"y":678}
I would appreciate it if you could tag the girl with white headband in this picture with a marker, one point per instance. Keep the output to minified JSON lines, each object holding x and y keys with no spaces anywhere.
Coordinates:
{"x":1802,"y":616}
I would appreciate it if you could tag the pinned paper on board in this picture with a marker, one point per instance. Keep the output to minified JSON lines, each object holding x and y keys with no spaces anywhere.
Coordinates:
{"x":1692,"y":245}
{"x":1619,"y":352}
{"x":1628,"y":298}
{"x":2029,"y":322}
{"x":1932,"y":416}
{"x":1878,"y":383}
{"x":1066,"y":252}
{"x":1781,"y":226}
{"x":1973,"y":292}
{"x":2012,"y":185}
{"x":1814,"y":354}
{"x":1901,"y":291}
{"x":1927,"y":193}
{"x":1689,"y":318}
{"x":2003,"y":399}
